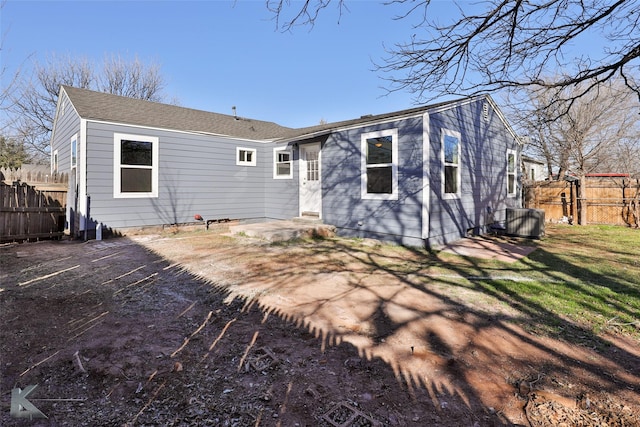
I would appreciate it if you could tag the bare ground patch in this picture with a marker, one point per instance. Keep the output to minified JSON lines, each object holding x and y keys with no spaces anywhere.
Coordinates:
{"x":204,"y":329}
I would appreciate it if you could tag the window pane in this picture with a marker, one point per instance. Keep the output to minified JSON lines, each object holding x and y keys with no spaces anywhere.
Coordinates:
{"x":135,"y":180}
{"x":379,"y":180}
{"x":450,"y":149}
{"x":450,"y":179}
{"x":136,"y":153}
{"x":74,"y":151}
{"x":511,"y":163}
{"x":313,"y":172}
{"x":283,"y":157}
{"x":511,"y":184}
{"x":379,"y":150}
{"x":283,"y":169}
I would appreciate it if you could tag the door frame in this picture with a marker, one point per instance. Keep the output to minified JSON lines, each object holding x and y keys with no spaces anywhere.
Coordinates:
{"x":302,"y":174}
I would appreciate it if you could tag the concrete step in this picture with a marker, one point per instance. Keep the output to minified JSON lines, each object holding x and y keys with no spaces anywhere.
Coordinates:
{"x":278,"y":231}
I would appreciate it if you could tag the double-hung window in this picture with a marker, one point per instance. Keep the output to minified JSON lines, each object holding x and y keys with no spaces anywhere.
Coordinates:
{"x":379,"y":165}
{"x":511,"y":172}
{"x":135,"y":166}
{"x":282,"y":165}
{"x":450,"y":164}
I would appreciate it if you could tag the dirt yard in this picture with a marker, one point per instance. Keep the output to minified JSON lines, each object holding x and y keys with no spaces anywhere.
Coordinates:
{"x":209,"y":330}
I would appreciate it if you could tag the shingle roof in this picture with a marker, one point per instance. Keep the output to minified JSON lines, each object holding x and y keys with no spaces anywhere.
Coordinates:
{"x":370,"y":118}
{"x":113,"y":108}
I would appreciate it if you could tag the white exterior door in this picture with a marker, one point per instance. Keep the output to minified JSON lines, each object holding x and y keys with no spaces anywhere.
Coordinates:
{"x":310,"y":189}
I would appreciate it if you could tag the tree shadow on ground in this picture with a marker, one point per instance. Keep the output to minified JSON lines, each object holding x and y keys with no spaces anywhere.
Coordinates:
{"x":411,"y":309}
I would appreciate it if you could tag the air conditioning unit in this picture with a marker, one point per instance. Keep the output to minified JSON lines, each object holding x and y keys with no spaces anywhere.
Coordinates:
{"x":525,"y":222}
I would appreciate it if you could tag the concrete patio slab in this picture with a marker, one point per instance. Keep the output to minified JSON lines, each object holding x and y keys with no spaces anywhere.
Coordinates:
{"x":479,"y":247}
{"x":278,"y":231}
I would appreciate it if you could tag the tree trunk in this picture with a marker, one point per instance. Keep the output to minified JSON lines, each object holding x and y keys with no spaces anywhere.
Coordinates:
{"x":635,"y":205}
{"x":582,"y":200}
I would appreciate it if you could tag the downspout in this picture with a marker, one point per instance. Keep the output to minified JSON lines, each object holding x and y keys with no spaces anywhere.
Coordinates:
{"x":426,"y":187}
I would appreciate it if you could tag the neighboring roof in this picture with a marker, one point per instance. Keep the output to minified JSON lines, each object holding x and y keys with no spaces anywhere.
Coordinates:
{"x":113,"y":108}
{"x":607,"y":175}
{"x":526,"y":158}
{"x":101,"y":106}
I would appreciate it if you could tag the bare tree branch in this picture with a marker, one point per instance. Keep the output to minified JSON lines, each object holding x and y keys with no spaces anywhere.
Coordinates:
{"x":589,"y":135}
{"x":34,"y":100}
{"x":503,"y":44}
{"x":516,"y":44}
{"x":306,"y":14}
{"x":132,"y":79}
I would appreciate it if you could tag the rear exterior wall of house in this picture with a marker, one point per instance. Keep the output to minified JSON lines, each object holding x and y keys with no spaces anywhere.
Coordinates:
{"x":197,"y":174}
{"x":343,"y":203}
{"x":486,"y":145}
{"x":480,"y":197}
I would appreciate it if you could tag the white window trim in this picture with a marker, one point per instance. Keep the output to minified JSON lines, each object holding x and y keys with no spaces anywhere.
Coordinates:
{"x":275,"y":163}
{"x":514,"y":173}
{"x":73,"y":144}
{"x":245,"y":163}
{"x":455,"y":134}
{"x":117,"y":138}
{"x":394,"y":165}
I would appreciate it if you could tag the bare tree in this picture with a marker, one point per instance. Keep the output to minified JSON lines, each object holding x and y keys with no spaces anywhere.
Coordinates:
{"x":496,"y":44}
{"x":34,"y":100}
{"x":532,"y":111}
{"x":595,"y":133}
{"x":133,"y":79}
{"x":6,"y":85}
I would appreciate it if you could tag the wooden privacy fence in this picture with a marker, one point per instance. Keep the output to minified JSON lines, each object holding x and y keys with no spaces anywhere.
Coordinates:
{"x":30,"y":212}
{"x":33,"y":174}
{"x":607,"y":200}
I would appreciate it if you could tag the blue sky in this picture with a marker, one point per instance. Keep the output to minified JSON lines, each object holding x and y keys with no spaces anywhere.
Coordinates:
{"x":217,"y":54}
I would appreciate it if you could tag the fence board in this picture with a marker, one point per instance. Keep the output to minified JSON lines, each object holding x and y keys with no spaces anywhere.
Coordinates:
{"x":608,"y":200}
{"x":33,"y":174}
{"x":28,"y":213}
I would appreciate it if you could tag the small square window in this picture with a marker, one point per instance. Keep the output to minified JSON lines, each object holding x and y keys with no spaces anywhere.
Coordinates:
{"x":245,"y":156}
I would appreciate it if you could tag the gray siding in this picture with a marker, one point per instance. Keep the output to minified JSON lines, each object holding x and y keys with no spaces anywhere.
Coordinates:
{"x":197,"y":175}
{"x":342,"y":205}
{"x":483,"y":196}
{"x":483,"y":173}
{"x":281,"y":195}
{"x":66,"y":125}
